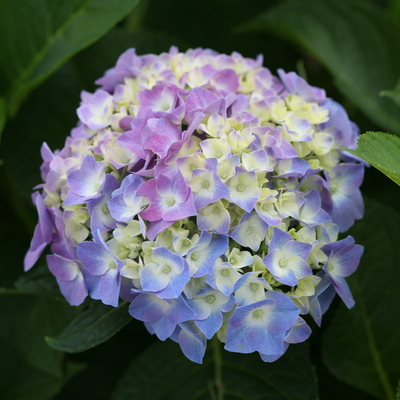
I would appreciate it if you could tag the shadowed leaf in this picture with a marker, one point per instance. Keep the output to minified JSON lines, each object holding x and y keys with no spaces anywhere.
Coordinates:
{"x":361,"y":345}
{"x":163,"y":372}
{"x":32,"y":370}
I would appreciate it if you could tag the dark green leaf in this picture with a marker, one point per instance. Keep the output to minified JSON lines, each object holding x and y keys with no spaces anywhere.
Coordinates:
{"x":381,"y":150}
{"x":94,"y":326}
{"x":40,"y":281}
{"x":163,"y":372}
{"x":361,"y":346}
{"x":26,"y":320}
{"x":37,"y":37}
{"x":30,"y":370}
{"x":355,"y":40}
{"x":398,"y":392}
{"x":393,"y":94}
{"x":21,"y":381}
{"x":3,"y":114}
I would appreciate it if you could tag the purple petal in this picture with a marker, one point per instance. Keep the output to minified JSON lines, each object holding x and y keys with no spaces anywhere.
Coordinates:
{"x":87,"y":180}
{"x":109,"y":287}
{"x":38,"y":244}
{"x":62,"y":268}
{"x":94,"y":257}
{"x":74,"y":291}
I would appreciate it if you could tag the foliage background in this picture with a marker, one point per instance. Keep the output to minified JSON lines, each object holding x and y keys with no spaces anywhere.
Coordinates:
{"x":50,"y":51}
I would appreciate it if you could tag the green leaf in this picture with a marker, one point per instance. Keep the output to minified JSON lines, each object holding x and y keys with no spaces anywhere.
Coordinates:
{"x":355,"y":40}
{"x":393,"y":94}
{"x":37,"y":37}
{"x":30,"y":370}
{"x":94,"y":326}
{"x":381,"y":150}
{"x":361,"y":346}
{"x":163,"y":372}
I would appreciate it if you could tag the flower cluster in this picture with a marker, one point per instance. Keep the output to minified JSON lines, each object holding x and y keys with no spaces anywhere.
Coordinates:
{"x":209,"y":194}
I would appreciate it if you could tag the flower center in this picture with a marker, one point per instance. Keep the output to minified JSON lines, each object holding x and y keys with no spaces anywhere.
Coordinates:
{"x":78,"y":227}
{"x":224,"y":175}
{"x":254,"y":286}
{"x":330,"y":267}
{"x":232,"y":260}
{"x":250,"y":230}
{"x":334,"y":188}
{"x":112,"y":265}
{"x":170,"y":202}
{"x":216,"y":210}
{"x":265,"y":207}
{"x":190,"y":225}
{"x":106,"y":210}
{"x":194,"y":256}
{"x":186,"y":242}
{"x":192,"y":167}
{"x":283,"y":263}
{"x":97,"y":186}
{"x":166,"y":269}
{"x":258,"y":314}
{"x":225,"y":272}
{"x":205,"y":184}
{"x":125,"y":160}
{"x":218,"y":154}
{"x":210,"y":299}
{"x":168,"y":233}
{"x":240,"y":187}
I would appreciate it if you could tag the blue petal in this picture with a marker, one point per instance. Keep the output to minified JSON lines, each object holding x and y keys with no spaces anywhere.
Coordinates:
{"x":163,"y":327}
{"x":264,"y":341}
{"x":178,"y":311}
{"x":192,"y":342}
{"x":147,"y":307}
{"x":236,"y":340}
{"x":210,"y":325}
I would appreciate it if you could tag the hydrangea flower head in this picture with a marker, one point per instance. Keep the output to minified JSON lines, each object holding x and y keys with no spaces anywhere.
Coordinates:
{"x":208,"y":193}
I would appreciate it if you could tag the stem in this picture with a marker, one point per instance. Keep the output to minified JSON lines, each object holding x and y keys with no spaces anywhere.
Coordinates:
{"x":218,"y":367}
